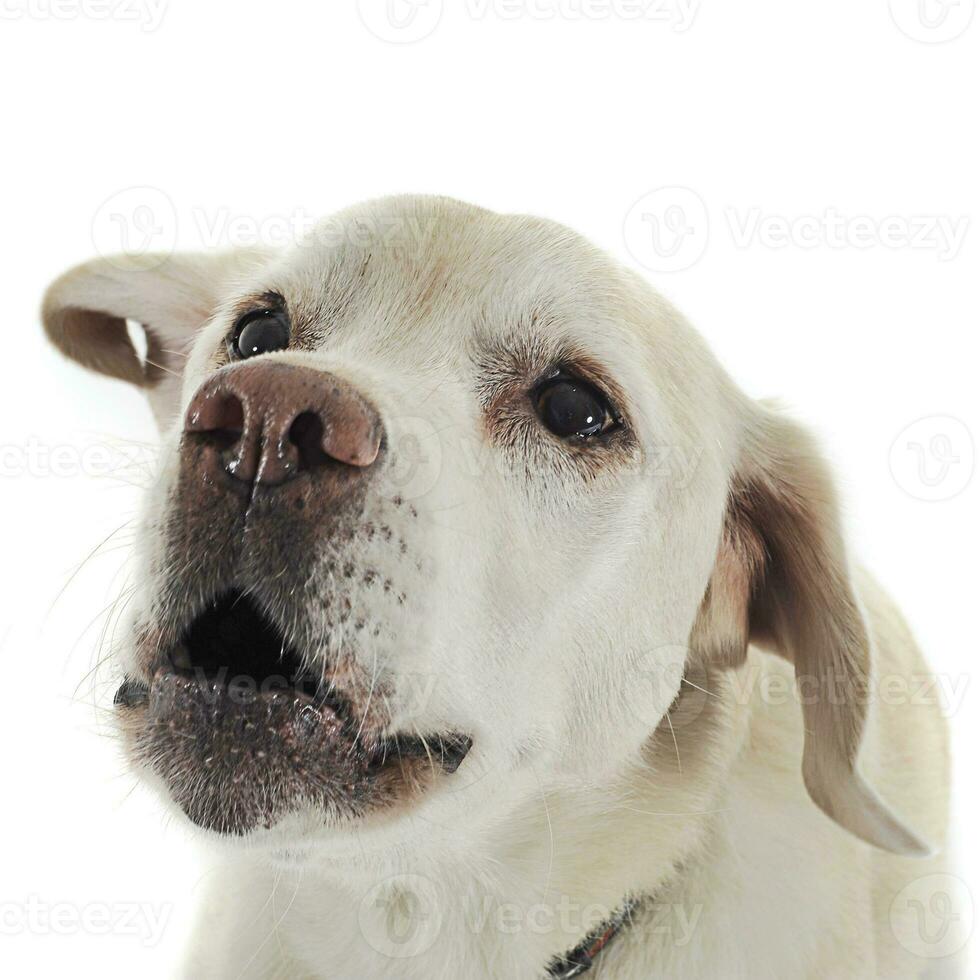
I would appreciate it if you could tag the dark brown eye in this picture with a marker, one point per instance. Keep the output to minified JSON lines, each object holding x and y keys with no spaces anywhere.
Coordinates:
{"x":571,"y":408}
{"x":261,"y":332}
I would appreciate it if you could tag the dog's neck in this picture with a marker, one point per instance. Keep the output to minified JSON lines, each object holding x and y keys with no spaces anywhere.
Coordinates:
{"x":516,"y":901}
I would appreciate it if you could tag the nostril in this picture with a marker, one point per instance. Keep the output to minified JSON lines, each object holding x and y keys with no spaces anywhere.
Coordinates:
{"x":306,"y":434}
{"x":221,"y":418}
{"x":229,"y":421}
{"x":267,"y":423}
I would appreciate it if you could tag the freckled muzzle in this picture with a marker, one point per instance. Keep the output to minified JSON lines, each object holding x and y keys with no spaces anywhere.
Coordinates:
{"x":252,"y":705}
{"x":242,"y":734}
{"x":238,"y":759}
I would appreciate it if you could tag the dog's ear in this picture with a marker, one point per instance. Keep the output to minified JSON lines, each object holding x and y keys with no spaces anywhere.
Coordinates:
{"x":85,"y":314}
{"x":782,"y":580}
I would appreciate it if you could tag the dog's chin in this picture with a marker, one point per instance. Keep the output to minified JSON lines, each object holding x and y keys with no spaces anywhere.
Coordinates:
{"x":241,"y":755}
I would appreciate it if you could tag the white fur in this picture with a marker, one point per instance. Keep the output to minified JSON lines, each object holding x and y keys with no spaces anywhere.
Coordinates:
{"x":541,"y":605}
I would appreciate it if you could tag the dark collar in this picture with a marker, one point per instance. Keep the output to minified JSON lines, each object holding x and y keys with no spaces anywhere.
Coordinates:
{"x":582,"y":958}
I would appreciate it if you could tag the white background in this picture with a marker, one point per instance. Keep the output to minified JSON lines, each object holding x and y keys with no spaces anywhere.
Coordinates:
{"x":848,"y":124}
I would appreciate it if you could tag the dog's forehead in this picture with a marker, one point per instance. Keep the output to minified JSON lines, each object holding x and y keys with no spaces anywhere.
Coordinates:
{"x":439,"y":278}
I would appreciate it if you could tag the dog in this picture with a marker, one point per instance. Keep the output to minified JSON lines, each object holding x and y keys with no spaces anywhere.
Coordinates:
{"x":487,"y":630}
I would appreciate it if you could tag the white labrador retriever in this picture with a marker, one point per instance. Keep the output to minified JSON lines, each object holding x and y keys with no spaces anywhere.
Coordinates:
{"x":472,"y":595}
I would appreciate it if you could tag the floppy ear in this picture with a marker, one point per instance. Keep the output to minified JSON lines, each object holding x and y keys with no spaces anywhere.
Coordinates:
{"x":84,"y":313}
{"x":782,"y":580}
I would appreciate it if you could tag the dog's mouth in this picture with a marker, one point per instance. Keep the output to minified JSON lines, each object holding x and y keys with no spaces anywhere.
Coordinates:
{"x":243,"y":729}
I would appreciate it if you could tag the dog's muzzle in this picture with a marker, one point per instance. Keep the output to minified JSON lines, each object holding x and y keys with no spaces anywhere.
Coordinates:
{"x":250,"y":700}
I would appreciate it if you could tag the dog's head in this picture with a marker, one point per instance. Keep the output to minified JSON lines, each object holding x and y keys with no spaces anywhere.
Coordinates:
{"x":439,"y":489}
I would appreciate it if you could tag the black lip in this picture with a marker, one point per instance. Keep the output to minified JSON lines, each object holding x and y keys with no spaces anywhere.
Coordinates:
{"x":238,"y":760}
{"x":446,"y":751}
{"x":235,"y":654}
{"x":131,"y":694}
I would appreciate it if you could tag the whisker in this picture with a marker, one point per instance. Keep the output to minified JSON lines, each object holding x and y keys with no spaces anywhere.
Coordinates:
{"x":696,"y":687}
{"x":163,"y":367}
{"x":677,"y":750}
{"x":551,"y":835}
{"x":84,"y":562}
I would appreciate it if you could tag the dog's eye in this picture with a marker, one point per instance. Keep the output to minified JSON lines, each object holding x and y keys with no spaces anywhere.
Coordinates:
{"x":571,"y":408}
{"x":260,"y":332}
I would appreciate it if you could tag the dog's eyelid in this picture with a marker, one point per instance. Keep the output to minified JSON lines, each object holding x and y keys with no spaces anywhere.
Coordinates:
{"x":268,"y":302}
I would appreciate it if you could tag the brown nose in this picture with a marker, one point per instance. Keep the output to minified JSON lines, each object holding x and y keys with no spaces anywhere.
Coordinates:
{"x":270,"y":422}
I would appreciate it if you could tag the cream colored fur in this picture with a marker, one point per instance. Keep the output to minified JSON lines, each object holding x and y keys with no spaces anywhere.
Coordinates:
{"x":625,"y":740}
